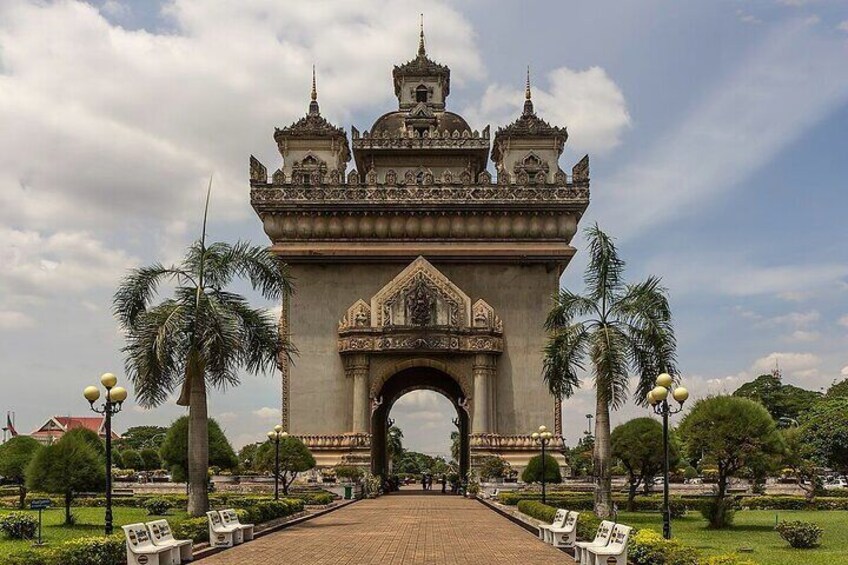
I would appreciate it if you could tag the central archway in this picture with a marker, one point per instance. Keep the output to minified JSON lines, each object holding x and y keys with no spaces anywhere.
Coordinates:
{"x":408,"y":380}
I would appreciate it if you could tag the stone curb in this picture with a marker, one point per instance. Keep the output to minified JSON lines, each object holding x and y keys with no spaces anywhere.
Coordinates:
{"x":528,"y":523}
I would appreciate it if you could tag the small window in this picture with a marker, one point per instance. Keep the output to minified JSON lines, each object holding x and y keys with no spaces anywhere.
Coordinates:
{"x":421,"y":131}
{"x":419,"y":178}
{"x":421,"y":93}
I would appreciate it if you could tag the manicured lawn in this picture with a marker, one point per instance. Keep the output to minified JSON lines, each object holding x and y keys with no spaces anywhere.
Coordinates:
{"x":755,"y":529}
{"x":89,"y":523}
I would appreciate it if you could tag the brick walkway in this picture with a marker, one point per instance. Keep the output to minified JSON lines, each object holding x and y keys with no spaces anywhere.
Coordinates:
{"x":399,"y":529}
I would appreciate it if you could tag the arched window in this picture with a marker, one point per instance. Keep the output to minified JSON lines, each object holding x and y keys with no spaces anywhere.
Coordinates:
{"x":421,"y":93}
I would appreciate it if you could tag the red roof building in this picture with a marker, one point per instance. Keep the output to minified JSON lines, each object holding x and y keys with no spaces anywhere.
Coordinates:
{"x":55,"y":427}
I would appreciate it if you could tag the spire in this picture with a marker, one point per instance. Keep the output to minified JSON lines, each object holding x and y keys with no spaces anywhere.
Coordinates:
{"x":421,"y":51}
{"x":528,"y":103}
{"x":313,"y":104}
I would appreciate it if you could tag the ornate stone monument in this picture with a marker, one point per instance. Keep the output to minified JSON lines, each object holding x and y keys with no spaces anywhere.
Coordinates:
{"x":417,"y":270}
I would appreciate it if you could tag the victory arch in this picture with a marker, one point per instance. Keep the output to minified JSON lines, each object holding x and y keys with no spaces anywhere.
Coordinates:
{"x":415,"y":268}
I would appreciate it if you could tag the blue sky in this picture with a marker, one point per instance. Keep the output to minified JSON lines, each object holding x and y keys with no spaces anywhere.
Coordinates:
{"x":717,"y":133}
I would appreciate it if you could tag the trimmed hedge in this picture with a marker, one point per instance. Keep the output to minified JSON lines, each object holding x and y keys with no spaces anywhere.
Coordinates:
{"x":587,"y":523}
{"x":81,"y":551}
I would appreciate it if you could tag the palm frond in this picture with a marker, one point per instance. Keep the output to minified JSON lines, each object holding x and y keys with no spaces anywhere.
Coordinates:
{"x":609,"y":348}
{"x":567,"y":307}
{"x":605,"y":271}
{"x":138,"y":288}
{"x":266,"y":273}
{"x":564,"y":356}
{"x":156,"y":350}
{"x":218,"y":338}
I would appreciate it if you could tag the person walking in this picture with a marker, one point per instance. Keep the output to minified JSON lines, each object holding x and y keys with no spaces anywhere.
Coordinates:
{"x":444,"y":482}
{"x":424,"y":481}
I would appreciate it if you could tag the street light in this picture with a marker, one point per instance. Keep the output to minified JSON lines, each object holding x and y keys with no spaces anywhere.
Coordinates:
{"x":542,"y":437}
{"x":275,"y":435}
{"x":115,"y":396}
{"x":589,"y":424}
{"x":658,"y":399}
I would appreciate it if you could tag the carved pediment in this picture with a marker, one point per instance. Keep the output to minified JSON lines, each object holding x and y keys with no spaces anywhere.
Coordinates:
{"x":357,"y":316}
{"x":421,"y":296}
{"x":483,"y":316}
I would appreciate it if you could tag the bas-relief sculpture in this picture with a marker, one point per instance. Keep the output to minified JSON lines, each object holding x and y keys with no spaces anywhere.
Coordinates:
{"x":417,"y":269}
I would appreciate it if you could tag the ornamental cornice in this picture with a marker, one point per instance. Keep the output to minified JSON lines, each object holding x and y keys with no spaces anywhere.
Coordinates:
{"x":428,"y":340}
{"x":509,"y":442}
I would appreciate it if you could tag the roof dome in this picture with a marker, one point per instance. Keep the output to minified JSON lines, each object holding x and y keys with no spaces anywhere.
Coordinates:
{"x":395,"y":123}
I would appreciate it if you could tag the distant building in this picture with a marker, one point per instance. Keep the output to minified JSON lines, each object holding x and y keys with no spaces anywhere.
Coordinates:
{"x":55,"y":427}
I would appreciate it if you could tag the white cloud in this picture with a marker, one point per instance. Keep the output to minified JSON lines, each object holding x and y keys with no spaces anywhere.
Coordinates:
{"x":796,"y":364}
{"x":843,"y":321}
{"x":13,"y":320}
{"x":785,"y":86}
{"x":227,"y":417}
{"x":844,"y":371}
{"x":267,"y":413}
{"x":804,"y":335}
{"x":588,"y":102}
{"x":747,"y":18}
{"x":843,"y":26}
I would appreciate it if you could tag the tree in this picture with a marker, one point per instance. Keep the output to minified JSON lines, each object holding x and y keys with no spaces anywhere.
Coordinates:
{"x":132,"y":460}
{"x":247,"y":456}
{"x":151,"y":459}
{"x":456,"y":446}
{"x":295,"y":458}
{"x":838,"y":390}
{"x":15,"y":455}
{"x":201,"y":336}
{"x":638,"y":444}
{"x":89,"y":437}
{"x":118,"y":460}
{"x":533,"y":471}
{"x":799,"y":458}
{"x":175,"y":452}
{"x":140,"y":437}
{"x":394,"y":444}
{"x":579,"y":457}
{"x":734,"y":434}
{"x":785,"y":403}
{"x":824,"y":430}
{"x":69,"y":466}
{"x":494,"y":467}
{"x":616,"y":326}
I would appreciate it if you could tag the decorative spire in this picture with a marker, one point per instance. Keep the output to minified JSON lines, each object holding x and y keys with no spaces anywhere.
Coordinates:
{"x":313,"y":104}
{"x":528,"y":103}
{"x":421,"y":51}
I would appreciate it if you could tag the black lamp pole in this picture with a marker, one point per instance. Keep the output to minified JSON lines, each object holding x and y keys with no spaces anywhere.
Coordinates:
{"x":115,"y":397}
{"x":275,"y":435}
{"x":658,"y":399}
{"x":543,"y":436}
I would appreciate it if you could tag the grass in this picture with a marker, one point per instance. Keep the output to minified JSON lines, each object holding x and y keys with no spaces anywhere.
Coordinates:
{"x":89,"y":523}
{"x":755,"y":529}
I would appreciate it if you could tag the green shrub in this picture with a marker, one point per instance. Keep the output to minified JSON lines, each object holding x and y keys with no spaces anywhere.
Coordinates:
{"x":18,"y":525}
{"x":719,"y":513}
{"x":196,"y":529}
{"x":268,"y":510}
{"x":677,"y":508}
{"x":158,"y":506}
{"x":536,"y":509}
{"x":647,"y":547}
{"x":587,"y":526}
{"x":29,"y":556}
{"x":533,"y":471}
{"x":800,"y":535}
{"x":349,"y":472}
{"x":92,"y":551}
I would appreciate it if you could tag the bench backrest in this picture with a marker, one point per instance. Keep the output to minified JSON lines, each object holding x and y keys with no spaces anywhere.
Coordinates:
{"x":619,"y":537}
{"x":229,"y":517}
{"x":571,"y":520}
{"x":602,"y":536}
{"x":214,"y":520}
{"x":137,"y":536}
{"x":559,"y":518}
{"x":160,"y":531}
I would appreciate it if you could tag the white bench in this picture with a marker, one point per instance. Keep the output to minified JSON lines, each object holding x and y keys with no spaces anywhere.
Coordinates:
{"x":140,"y":548}
{"x":230,"y":518}
{"x":615,"y":551}
{"x":565,"y":535}
{"x":559,"y":519}
{"x":221,"y":535}
{"x":161,"y":534}
{"x":602,"y":537}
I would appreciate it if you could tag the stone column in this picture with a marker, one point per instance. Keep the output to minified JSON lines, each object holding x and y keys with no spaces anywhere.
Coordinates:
{"x":357,"y":369}
{"x":483,"y":370}
{"x":284,"y":364}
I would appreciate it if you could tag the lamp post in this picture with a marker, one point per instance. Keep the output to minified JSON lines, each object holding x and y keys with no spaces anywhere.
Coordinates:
{"x":589,"y":424}
{"x":543,"y":437}
{"x":658,"y":399}
{"x":275,"y":435}
{"x":115,"y":396}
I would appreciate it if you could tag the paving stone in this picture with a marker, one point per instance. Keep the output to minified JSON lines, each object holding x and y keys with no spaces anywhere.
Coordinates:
{"x":399,"y":529}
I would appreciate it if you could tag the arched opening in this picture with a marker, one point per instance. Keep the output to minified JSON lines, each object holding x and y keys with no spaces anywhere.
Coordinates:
{"x":401,"y":383}
{"x":421,"y":93}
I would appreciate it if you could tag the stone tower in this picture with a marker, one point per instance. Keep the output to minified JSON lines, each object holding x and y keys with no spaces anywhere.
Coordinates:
{"x":416,"y":269}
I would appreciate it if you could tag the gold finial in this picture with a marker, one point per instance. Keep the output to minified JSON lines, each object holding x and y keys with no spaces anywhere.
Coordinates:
{"x":527,"y":87}
{"x":421,"y":51}
{"x":314,"y":90}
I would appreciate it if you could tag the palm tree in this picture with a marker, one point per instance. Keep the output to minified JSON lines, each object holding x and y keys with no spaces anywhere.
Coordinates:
{"x":618,"y":327}
{"x":201,"y":336}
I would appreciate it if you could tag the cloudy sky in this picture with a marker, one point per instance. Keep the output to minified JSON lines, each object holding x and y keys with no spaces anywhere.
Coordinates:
{"x":717,"y":132}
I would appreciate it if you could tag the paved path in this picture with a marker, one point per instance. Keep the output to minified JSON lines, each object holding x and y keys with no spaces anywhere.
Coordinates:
{"x":399,"y":529}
